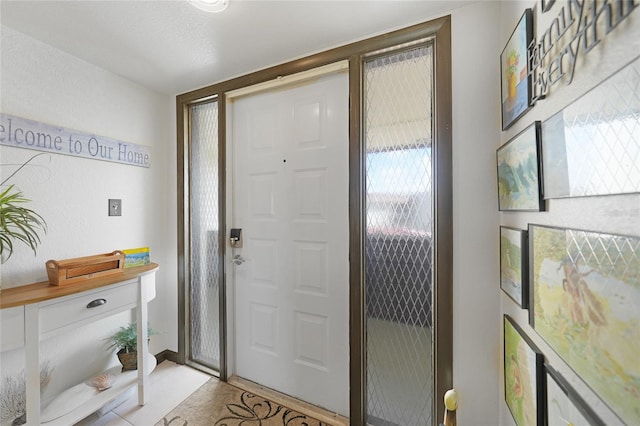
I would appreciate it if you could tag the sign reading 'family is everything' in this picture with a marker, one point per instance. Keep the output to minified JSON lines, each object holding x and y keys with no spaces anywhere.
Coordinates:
{"x":21,"y":132}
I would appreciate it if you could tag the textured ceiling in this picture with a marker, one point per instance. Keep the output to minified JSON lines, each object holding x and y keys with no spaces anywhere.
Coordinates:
{"x":172,"y":47}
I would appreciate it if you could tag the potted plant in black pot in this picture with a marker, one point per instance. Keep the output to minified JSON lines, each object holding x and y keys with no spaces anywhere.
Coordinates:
{"x":125,"y":341}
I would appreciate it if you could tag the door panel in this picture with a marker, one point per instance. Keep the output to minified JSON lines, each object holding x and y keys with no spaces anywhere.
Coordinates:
{"x":399,"y":255}
{"x":290,"y":174}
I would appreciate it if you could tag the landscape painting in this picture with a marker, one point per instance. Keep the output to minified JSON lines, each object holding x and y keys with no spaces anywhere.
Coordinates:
{"x":585,"y":294}
{"x":523,"y":391}
{"x":513,"y":273}
{"x":519,"y":172}
{"x":564,"y":406}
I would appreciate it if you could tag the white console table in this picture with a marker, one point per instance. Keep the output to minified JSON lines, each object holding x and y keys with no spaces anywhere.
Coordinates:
{"x":36,"y":312}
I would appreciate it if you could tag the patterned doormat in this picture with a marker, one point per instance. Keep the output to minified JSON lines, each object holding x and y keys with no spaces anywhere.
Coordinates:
{"x":217,"y":403}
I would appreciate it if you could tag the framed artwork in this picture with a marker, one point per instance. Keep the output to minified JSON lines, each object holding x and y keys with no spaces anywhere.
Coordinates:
{"x":513,"y":265}
{"x":564,"y":405}
{"x":584,"y":298}
{"x":588,"y":148}
{"x":514,"y":72}
{"x":519,"y":172}
{"x":523,"y":376}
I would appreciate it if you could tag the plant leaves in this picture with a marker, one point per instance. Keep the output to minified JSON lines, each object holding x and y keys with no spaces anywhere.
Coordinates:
{"x":18,"y":223}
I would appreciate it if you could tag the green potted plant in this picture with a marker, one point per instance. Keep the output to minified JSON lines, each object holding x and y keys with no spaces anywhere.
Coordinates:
{"x":17,"y":222}
{"x":125,"y":341}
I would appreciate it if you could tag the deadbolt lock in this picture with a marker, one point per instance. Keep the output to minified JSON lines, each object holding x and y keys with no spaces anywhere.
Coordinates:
{"x":235,"y":237}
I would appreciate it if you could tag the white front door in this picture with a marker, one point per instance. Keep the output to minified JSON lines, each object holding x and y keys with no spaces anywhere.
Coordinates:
{"x":290,"y":197}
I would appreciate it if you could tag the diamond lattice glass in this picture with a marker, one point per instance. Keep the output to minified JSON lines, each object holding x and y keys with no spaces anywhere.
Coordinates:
{"x":204,"y":224}
{"x":399,"y":222}
{"x":592,"y":147}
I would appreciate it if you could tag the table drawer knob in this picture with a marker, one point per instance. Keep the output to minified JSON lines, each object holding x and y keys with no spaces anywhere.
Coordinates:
{"x":97,"y":302}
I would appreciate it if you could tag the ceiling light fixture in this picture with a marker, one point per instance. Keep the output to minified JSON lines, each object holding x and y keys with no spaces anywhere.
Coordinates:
{"x":214,"y":6}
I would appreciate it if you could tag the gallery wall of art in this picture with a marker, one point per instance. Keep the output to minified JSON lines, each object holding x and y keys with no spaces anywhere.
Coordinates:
{"x":568,"y":179}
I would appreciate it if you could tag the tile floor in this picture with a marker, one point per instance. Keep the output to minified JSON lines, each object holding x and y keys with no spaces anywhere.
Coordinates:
{"x":169,"y":384}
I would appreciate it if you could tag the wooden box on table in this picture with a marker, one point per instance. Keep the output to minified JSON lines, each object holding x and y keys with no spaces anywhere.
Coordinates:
{"x":79,"y":269}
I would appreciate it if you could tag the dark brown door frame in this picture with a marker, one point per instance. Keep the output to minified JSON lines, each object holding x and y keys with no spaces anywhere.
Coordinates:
{"x":183,"y":168}
{"x":440,"y":31}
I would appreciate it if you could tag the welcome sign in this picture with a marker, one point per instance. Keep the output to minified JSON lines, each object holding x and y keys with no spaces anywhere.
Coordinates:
{"x":19,"y":132}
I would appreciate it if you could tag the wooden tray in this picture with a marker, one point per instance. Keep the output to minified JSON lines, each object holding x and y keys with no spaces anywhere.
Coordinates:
{"x":79,"y":269}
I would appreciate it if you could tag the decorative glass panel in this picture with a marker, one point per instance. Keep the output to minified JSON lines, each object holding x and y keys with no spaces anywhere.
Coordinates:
{"x":204,"y":223}
{"x":399,"y":222}
{"x":592,"y":147}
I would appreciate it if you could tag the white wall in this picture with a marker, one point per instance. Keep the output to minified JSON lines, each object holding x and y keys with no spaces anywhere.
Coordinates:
{"x":611,"y":214}
{"x":475,"y":222}
{"x":48,"y":85}
{"x":51,"y":86}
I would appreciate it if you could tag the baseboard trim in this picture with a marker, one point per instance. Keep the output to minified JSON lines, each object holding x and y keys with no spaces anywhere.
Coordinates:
{"x":317,"y":413}
{"x":167,"y":355}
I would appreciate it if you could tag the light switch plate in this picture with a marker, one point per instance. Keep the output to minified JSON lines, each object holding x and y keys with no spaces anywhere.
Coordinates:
{"x":115,"y":207}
